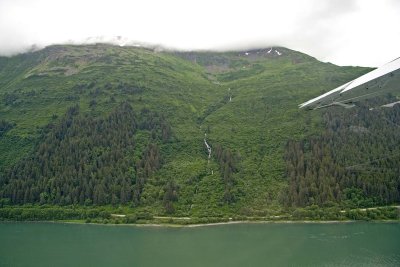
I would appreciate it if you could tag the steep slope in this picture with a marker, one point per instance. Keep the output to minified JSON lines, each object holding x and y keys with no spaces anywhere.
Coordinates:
{"x":242,"y":104}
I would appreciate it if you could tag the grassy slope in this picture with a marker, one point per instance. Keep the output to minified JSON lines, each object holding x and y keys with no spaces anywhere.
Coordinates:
{"x":193,"y":91}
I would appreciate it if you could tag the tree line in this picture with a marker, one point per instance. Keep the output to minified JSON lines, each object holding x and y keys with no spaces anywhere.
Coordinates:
{"x":85,"y":160}
{"x":354,"y":162}
{"x":5,"y":126}
{"x":228,"y":165}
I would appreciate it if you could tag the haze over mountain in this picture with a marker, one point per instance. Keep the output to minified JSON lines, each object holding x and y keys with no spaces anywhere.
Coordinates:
{"x":344,"y":32}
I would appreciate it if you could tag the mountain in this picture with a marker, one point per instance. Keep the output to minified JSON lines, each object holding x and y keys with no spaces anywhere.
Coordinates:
{"x":200,"y":134}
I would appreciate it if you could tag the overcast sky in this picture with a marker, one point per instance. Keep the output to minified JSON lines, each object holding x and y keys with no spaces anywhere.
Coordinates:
{"x":344,"y":32}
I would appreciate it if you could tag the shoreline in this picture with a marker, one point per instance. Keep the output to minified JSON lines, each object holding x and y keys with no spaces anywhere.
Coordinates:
{"x":169,"y":225}
{"x":124,"y":218}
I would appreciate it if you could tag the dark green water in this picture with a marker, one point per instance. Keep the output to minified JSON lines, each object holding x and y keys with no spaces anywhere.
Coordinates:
{"x":351,"y":244}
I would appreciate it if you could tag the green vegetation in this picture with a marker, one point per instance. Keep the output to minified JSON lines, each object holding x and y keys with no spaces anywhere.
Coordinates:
{"x":354,"y":162}
{"x":82,"y":160}
{"x":108,"y":128}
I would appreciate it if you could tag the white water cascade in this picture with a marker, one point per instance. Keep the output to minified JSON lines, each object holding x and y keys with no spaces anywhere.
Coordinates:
{"x":207,"y":146}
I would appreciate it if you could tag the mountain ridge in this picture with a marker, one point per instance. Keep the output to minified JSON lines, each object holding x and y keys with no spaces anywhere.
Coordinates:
{"x":243,"y":102}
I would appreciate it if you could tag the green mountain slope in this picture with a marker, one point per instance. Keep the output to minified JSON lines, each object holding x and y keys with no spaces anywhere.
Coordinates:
{"x":144,"y":117}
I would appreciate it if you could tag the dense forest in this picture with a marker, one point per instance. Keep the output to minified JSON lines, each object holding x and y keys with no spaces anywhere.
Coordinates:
{"x":85,"y":160}
{"x":87,"y":131}
{"x":4,"y":127}
{"x":355,"y":161}
{"x":228,"y":165}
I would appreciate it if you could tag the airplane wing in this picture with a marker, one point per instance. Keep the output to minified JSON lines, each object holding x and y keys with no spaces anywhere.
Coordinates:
{"x":374,"y":83}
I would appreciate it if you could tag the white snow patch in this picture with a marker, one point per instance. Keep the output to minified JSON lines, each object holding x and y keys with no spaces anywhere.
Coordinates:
{"x":279,"y":53}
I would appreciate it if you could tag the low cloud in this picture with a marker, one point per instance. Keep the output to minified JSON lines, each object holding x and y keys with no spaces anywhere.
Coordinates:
{"x":345,"y":32}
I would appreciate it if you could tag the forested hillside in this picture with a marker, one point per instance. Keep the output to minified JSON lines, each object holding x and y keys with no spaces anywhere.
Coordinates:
{"x":355,"y":161}
{"x":197,"y":134}
{"x":82,"y":160}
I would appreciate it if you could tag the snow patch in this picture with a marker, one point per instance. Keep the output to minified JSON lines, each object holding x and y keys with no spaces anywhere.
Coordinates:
{"x":279,"y":53}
